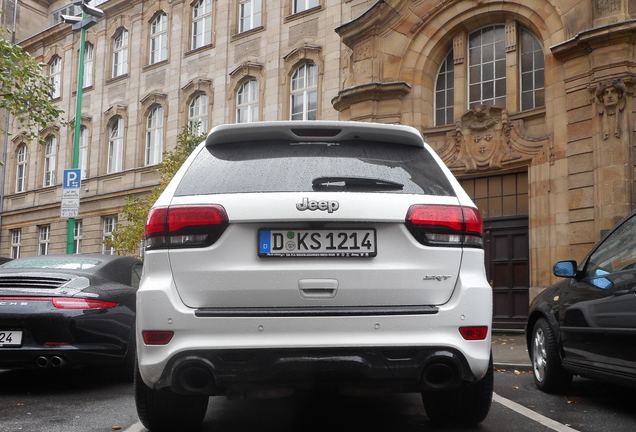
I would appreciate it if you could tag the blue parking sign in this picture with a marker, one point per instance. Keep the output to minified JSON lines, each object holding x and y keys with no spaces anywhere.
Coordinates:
{"x":72,"y":178}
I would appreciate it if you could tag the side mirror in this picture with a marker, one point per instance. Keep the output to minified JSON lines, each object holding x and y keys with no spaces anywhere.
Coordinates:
{"x":565,"y":269}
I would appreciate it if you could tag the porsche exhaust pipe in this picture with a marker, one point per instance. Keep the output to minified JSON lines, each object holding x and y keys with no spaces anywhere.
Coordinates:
{"x":57,"y":362}
{"x":42,"y":362}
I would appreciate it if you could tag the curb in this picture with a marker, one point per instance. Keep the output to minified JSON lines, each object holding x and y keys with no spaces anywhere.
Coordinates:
{"x":513,"y":366}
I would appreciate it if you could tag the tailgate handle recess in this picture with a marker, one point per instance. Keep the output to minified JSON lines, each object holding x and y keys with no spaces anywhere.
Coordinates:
{"x":318,"y":288}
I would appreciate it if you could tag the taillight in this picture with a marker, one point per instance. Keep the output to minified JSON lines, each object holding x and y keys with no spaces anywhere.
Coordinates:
{"x":445,"y":225}
{"x":64,"y":302}
{"x":474,"y":332}
{"x":157,"y":337}
{"x":184,"y":226}
{"x":81,"y":303}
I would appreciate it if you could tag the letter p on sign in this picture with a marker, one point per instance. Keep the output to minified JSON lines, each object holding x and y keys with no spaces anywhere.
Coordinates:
{"x":72,"y":178}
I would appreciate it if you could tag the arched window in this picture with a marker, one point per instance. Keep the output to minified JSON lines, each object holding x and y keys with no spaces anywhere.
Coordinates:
{"x":198,"y":114}
{"x":159,"y":38}
{"x":304,"y":89}
{"x":120,"y":53}
{"x":50,"y":147}
{"x":247,"y":102}
{"x":115,"y":145}
{"x":532,"y":72}
{"x":487,"y":67}
{"x":55,"y":77}
{"x":82,"y":163}
{"x":88,"y":65}
{"x":201,"y":23}
{"x":22,"y":155}
{"x":444,"y":92}
{"x":249,"y":15}
{"x":154,"y":136}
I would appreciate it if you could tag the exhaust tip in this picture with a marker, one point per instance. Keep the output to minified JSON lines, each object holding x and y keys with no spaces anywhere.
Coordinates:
{"x":194,"y":377}
{"x":57,"y":362}
{"x":441,"y":372}
{"x":42,"y":362}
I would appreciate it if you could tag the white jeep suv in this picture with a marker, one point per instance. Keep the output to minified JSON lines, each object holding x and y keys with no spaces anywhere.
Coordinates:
{"x":287,"y":255}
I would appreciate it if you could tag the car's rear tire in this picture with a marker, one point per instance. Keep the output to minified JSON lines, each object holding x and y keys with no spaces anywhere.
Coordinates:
{"x":163,"y":410}
{"x":549,"y":375}
{"x":467,"y":405}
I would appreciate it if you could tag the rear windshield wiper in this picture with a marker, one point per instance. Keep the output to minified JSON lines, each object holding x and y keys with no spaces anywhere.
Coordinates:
{"x":344,"y":182}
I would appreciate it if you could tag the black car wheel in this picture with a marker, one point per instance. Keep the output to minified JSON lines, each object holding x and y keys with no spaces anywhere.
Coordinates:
{"x":163,"y":410}
{"x":467,"y":405}
{"x":549,"y":375}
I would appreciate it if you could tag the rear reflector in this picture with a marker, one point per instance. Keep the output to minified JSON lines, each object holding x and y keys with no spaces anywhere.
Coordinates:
{"x":474,"y":332}
{"x":445,"y":225}
{"x":157,"y":337}
{"x":184,"y":226}
{"x":64,"y":302}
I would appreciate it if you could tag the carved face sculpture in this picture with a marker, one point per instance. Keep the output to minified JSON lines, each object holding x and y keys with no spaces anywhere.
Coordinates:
{"x":610,"y":96}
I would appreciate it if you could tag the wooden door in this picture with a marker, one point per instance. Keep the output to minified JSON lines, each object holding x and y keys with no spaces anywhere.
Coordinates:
{"x":507,"y":269}
{"x":503,"y":203}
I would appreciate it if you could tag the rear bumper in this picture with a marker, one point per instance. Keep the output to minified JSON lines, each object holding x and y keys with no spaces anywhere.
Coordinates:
{"x":220,"y":372}
{"x":70,"y":356}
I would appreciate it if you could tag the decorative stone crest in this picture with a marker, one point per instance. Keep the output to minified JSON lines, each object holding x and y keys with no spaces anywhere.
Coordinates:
{"x":610,"y":99}
{"x":484,"y":139}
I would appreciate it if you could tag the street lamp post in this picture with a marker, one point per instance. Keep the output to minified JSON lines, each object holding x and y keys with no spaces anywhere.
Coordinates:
{"x":88,"y":19}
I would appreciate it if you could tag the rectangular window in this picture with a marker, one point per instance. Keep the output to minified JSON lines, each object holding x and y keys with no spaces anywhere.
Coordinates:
{"x":159,"y":39}
{"x":115,"y":146}
{"x":56,"y":17}
{"x":487,"y":67}
{"x":249,"y":15}
{"x":302,"y":5}
{"x":16,"y":242}
{"x":201,"y":24}
{"x":49,"y":161}
{"x":44,"y":234}
{"x":88,"y":65}
{"x":120,"y":54}
{"x":77,"y":236}
{"x":108,"y":226}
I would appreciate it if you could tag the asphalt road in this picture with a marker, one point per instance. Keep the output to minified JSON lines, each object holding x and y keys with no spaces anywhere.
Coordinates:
{"x":89,"y":401}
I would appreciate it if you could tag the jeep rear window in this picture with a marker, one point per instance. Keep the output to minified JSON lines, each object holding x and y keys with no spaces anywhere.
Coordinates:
{"x":292,"y":166}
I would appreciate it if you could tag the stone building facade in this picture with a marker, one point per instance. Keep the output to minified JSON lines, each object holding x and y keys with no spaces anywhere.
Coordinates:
{"x":531,"y":104}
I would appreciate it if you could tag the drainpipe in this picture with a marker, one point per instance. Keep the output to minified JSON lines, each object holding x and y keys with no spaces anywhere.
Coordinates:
{"x":7,"y":123}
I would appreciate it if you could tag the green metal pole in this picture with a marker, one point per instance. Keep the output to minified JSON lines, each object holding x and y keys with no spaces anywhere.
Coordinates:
{"x":70,"y":241}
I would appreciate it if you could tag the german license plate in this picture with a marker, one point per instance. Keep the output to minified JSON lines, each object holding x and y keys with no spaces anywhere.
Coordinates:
{"x":10,"y":338}
{"x":317,"y":243}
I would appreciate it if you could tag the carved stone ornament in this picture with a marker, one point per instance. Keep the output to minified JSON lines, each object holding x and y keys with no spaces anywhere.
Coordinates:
{"x":485,"y":138}
{"x":610,"y":98}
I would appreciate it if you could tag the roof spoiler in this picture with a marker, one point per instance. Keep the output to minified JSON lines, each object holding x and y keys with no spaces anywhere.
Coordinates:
{"x":314,"y":131}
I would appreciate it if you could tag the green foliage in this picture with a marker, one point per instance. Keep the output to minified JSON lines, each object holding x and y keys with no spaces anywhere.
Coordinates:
{"x":25,"y":90}
{"x":128,"y":234}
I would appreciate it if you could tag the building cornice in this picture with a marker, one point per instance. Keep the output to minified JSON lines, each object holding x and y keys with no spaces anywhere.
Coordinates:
{"x":370,"y":92}
{"x":586,"y":41}
{"x":380,"y":15}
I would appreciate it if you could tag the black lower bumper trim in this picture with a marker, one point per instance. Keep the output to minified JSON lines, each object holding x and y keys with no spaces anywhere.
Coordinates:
{"x":315,"y":311}
{"x":391,"y":368}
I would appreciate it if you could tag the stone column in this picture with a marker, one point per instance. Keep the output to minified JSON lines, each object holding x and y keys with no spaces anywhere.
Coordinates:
{"x":512,"y":73}
{"x":613,"y":162}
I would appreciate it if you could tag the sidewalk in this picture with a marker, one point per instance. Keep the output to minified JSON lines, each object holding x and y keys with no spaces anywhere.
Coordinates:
{"x":509,"y":351}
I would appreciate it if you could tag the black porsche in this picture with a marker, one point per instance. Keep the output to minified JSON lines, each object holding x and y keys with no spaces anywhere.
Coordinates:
{"x":586,"y":324}
{"x":66,"y":311}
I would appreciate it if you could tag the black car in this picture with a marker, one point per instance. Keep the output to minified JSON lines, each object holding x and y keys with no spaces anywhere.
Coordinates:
{"x":65,"y":311}
{"x":586,"y":324}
